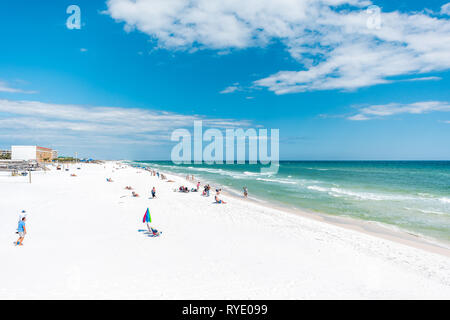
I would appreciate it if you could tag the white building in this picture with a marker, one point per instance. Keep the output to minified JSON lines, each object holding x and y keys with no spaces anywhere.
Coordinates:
{"x":31,"y":153}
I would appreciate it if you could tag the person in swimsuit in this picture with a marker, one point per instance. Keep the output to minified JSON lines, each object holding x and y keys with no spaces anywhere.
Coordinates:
{"x":219,"y":201}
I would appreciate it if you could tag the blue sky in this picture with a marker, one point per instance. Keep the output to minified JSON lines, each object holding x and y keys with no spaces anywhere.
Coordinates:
{"x":136,"y":70}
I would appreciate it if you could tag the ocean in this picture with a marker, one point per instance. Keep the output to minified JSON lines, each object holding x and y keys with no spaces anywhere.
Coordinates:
{"x":413,"y":196}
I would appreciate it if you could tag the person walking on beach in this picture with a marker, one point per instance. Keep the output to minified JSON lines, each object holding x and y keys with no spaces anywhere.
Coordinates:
{"x":245,"y":192}
{"x":22,"y":231}
{"x":154,"y":192}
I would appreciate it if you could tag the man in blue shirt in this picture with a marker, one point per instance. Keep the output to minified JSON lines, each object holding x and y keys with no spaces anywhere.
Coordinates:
{"x":22,"y":230}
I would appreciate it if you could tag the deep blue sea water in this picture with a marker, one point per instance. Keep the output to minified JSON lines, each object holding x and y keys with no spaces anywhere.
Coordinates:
{"x":410,"y":195}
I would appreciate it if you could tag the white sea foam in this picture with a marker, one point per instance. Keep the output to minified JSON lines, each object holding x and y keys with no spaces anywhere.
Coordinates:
{"x":317,"y":188}
{"x":427,"y":211}
{"x":277,"y":180}
{"x":338,"y":192}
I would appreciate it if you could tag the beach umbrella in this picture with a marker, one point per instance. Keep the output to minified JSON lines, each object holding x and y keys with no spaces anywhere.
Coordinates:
{"x":147,"y":218}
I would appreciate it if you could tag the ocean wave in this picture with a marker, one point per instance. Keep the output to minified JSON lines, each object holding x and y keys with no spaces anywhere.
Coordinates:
{"x":427,"y":211}
{"x":338,"y":192}
{"x":317,"y":188}
{"x":444,"y":199}
{"x":257,"y":174}
{"x":277,"y":180}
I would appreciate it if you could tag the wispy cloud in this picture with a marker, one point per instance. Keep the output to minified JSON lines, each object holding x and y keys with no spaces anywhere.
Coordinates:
{"x":230,"y":89}
{"x":332,"y":40}
{"x":4,"y":87}
{"x":119,"y":125}
{"x":423,"y":79}
{"x":445,"y":9}
{"x":381,"y":111}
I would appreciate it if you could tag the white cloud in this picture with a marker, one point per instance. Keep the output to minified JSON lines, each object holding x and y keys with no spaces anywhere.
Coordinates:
{"x":379,"y":111}
{"x":358,"y":117}
{"x":423,"y":79}
{"x":4,"y":87}
{"x":229,"y":89}
{"x":83,"y":50}
{"x":332,"y":40}
{"x":445,"y":9}
{"x":118,"y":124}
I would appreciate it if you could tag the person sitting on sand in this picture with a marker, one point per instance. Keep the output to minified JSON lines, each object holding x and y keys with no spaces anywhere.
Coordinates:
{"x":134,"y":194}
{"x":219,"y":201}
{"x":154,"y":232}
{"x":128,"y":188}
{"x":109,"y":180}
{"x":22,"y":231}
{"x":154,"y":192}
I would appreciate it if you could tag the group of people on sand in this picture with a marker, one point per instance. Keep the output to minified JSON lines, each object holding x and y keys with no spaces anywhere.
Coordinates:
{"x":206,"y":190}
{"x":186,"y":189}
{"x":136,"y":195}
{"x":157,"y":174}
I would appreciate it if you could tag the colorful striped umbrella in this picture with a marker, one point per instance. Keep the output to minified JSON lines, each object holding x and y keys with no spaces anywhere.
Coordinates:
{"x":147,"y":218}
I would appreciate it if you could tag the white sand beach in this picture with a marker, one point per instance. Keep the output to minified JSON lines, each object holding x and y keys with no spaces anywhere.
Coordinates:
{"x":85,"y":241}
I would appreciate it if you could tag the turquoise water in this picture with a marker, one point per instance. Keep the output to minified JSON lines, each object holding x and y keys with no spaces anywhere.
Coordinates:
{"x":410,"y":195}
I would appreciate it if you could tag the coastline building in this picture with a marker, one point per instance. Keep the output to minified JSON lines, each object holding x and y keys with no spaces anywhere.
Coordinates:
{"x":39,"y":154}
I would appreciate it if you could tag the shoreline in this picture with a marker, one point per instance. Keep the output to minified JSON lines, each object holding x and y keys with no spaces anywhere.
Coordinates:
{"x":372,"y":228}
